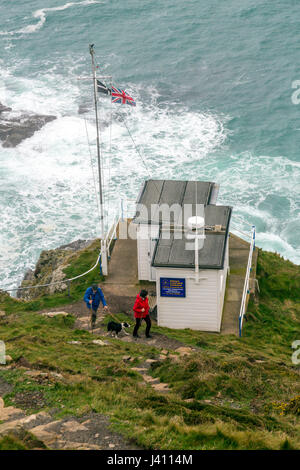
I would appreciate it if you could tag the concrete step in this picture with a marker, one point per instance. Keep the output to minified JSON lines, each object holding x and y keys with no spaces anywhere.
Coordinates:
{"x":237,"y":242}
{"x":230,"y":320}
{"x":236,"y":280}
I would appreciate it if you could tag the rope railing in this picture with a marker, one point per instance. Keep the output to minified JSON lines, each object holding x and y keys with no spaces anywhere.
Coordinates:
{"x":56,"y":282}
{"x":246,"y":290}
{"x":111,"y":234}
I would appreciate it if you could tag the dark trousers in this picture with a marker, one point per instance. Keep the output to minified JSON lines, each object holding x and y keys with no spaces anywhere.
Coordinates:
{"x":93,"y":315}
{"x":138,"y":322}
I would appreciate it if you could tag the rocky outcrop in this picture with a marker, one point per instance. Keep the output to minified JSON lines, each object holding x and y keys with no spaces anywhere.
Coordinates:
{"x":4,"y":109}
{"x":83,"y":108}
{"x":76,"y":245}
{"x":50,"y":269}
{"x":16,"y":128}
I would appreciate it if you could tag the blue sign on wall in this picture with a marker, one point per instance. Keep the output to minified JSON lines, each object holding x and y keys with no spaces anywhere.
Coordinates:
{"x":172,"y":287}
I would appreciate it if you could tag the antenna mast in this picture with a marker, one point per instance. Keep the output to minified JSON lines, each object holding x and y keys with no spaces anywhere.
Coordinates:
{"x":104,"y":267}
{"x":92,"y":52}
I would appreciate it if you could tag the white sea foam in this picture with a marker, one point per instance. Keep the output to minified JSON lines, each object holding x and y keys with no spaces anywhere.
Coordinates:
{"x":41,"y":16}
{"x":48,"y":183}
{"x":273,"y":242}
{"x":50,"y":197}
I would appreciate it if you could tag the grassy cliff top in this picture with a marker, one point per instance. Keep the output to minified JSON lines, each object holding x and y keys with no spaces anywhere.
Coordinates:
{"x":227,"y":393}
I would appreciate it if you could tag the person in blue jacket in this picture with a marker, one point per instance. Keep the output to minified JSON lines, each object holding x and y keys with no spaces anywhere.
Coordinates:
{"x":93,"y":296}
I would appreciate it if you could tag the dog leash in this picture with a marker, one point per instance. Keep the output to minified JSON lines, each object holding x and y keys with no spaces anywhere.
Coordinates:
{"x":112,"y":315}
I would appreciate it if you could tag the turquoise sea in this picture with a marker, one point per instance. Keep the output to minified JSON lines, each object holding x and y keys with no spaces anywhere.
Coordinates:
{"x":213,"y":82}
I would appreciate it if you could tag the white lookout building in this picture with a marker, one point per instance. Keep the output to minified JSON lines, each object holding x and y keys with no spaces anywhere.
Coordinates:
{"x":190,"y":288}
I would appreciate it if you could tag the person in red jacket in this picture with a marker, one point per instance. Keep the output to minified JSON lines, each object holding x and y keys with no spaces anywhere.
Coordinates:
{"x":141,"y":312}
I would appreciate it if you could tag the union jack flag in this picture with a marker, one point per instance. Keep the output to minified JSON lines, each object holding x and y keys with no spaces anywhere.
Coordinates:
{"x":120,"y":96}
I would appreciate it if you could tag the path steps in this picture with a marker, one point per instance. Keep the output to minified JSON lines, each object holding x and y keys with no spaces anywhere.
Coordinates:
{"x":122,"y":278}
{"x":154,"y":382}
{"x":90,"y":432}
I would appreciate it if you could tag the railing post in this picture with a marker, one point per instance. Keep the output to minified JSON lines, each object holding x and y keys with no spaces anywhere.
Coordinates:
{"x":100,"y":266}
{"x":116,"y":226}
{"x":122,"y":210}
{"x":253,"y":235}
{"x":246,"y":290}
{"x":104,"y":258}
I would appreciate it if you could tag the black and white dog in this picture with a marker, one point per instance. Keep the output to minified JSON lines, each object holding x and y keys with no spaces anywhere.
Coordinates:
{"x":115,"y":328}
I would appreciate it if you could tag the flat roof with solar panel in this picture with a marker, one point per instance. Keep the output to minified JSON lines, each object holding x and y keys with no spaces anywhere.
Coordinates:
{"x":171,"y":193}
{"x":172,"y":252}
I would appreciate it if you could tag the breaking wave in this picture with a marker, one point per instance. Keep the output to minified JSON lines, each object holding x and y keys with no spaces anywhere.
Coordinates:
{"x":41,"y":16}
{"x":48,"y":193}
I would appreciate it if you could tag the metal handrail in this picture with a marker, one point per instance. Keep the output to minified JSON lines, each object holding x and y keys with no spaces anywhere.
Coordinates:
{"x":247,"y":235}
{"x":111,"y":235}
{"x":125,"y":212}
{"x":246,"y":283}
{"x":234,"y":216}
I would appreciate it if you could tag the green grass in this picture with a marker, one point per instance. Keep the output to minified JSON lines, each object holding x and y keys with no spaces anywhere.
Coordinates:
{"x":232,"y":393}
{"x":20,"y":440}
{"x":12,"y":443}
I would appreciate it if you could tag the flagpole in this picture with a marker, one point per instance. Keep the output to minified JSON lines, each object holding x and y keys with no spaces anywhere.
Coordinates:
{"x":104,"y":267}
{"x":92,"y":52}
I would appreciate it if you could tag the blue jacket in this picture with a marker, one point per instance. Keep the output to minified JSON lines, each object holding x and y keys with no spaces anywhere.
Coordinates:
{"x":96,"y":297}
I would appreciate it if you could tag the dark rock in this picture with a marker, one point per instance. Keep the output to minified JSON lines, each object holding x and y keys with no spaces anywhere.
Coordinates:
{"x":83,"y":108}
{"x":4,"y":109}
{"x":48,"y":259}
{"x":29,"y":275}
{"x":49,"y":269}
{"x":13,"y":130}
{"x":76,"y":245}
{"x":29,"y":279}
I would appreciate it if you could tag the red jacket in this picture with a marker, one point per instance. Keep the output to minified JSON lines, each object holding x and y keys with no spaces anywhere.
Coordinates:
{"x":139,"y":304}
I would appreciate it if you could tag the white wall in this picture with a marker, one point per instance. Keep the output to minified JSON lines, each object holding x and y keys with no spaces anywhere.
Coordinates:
{"x":222,"y":276}
{"x":199,"y":310}
{"x":145,"y":233}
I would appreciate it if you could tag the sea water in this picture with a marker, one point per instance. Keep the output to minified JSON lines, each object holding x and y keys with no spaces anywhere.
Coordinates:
{"x":213,"y":82}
